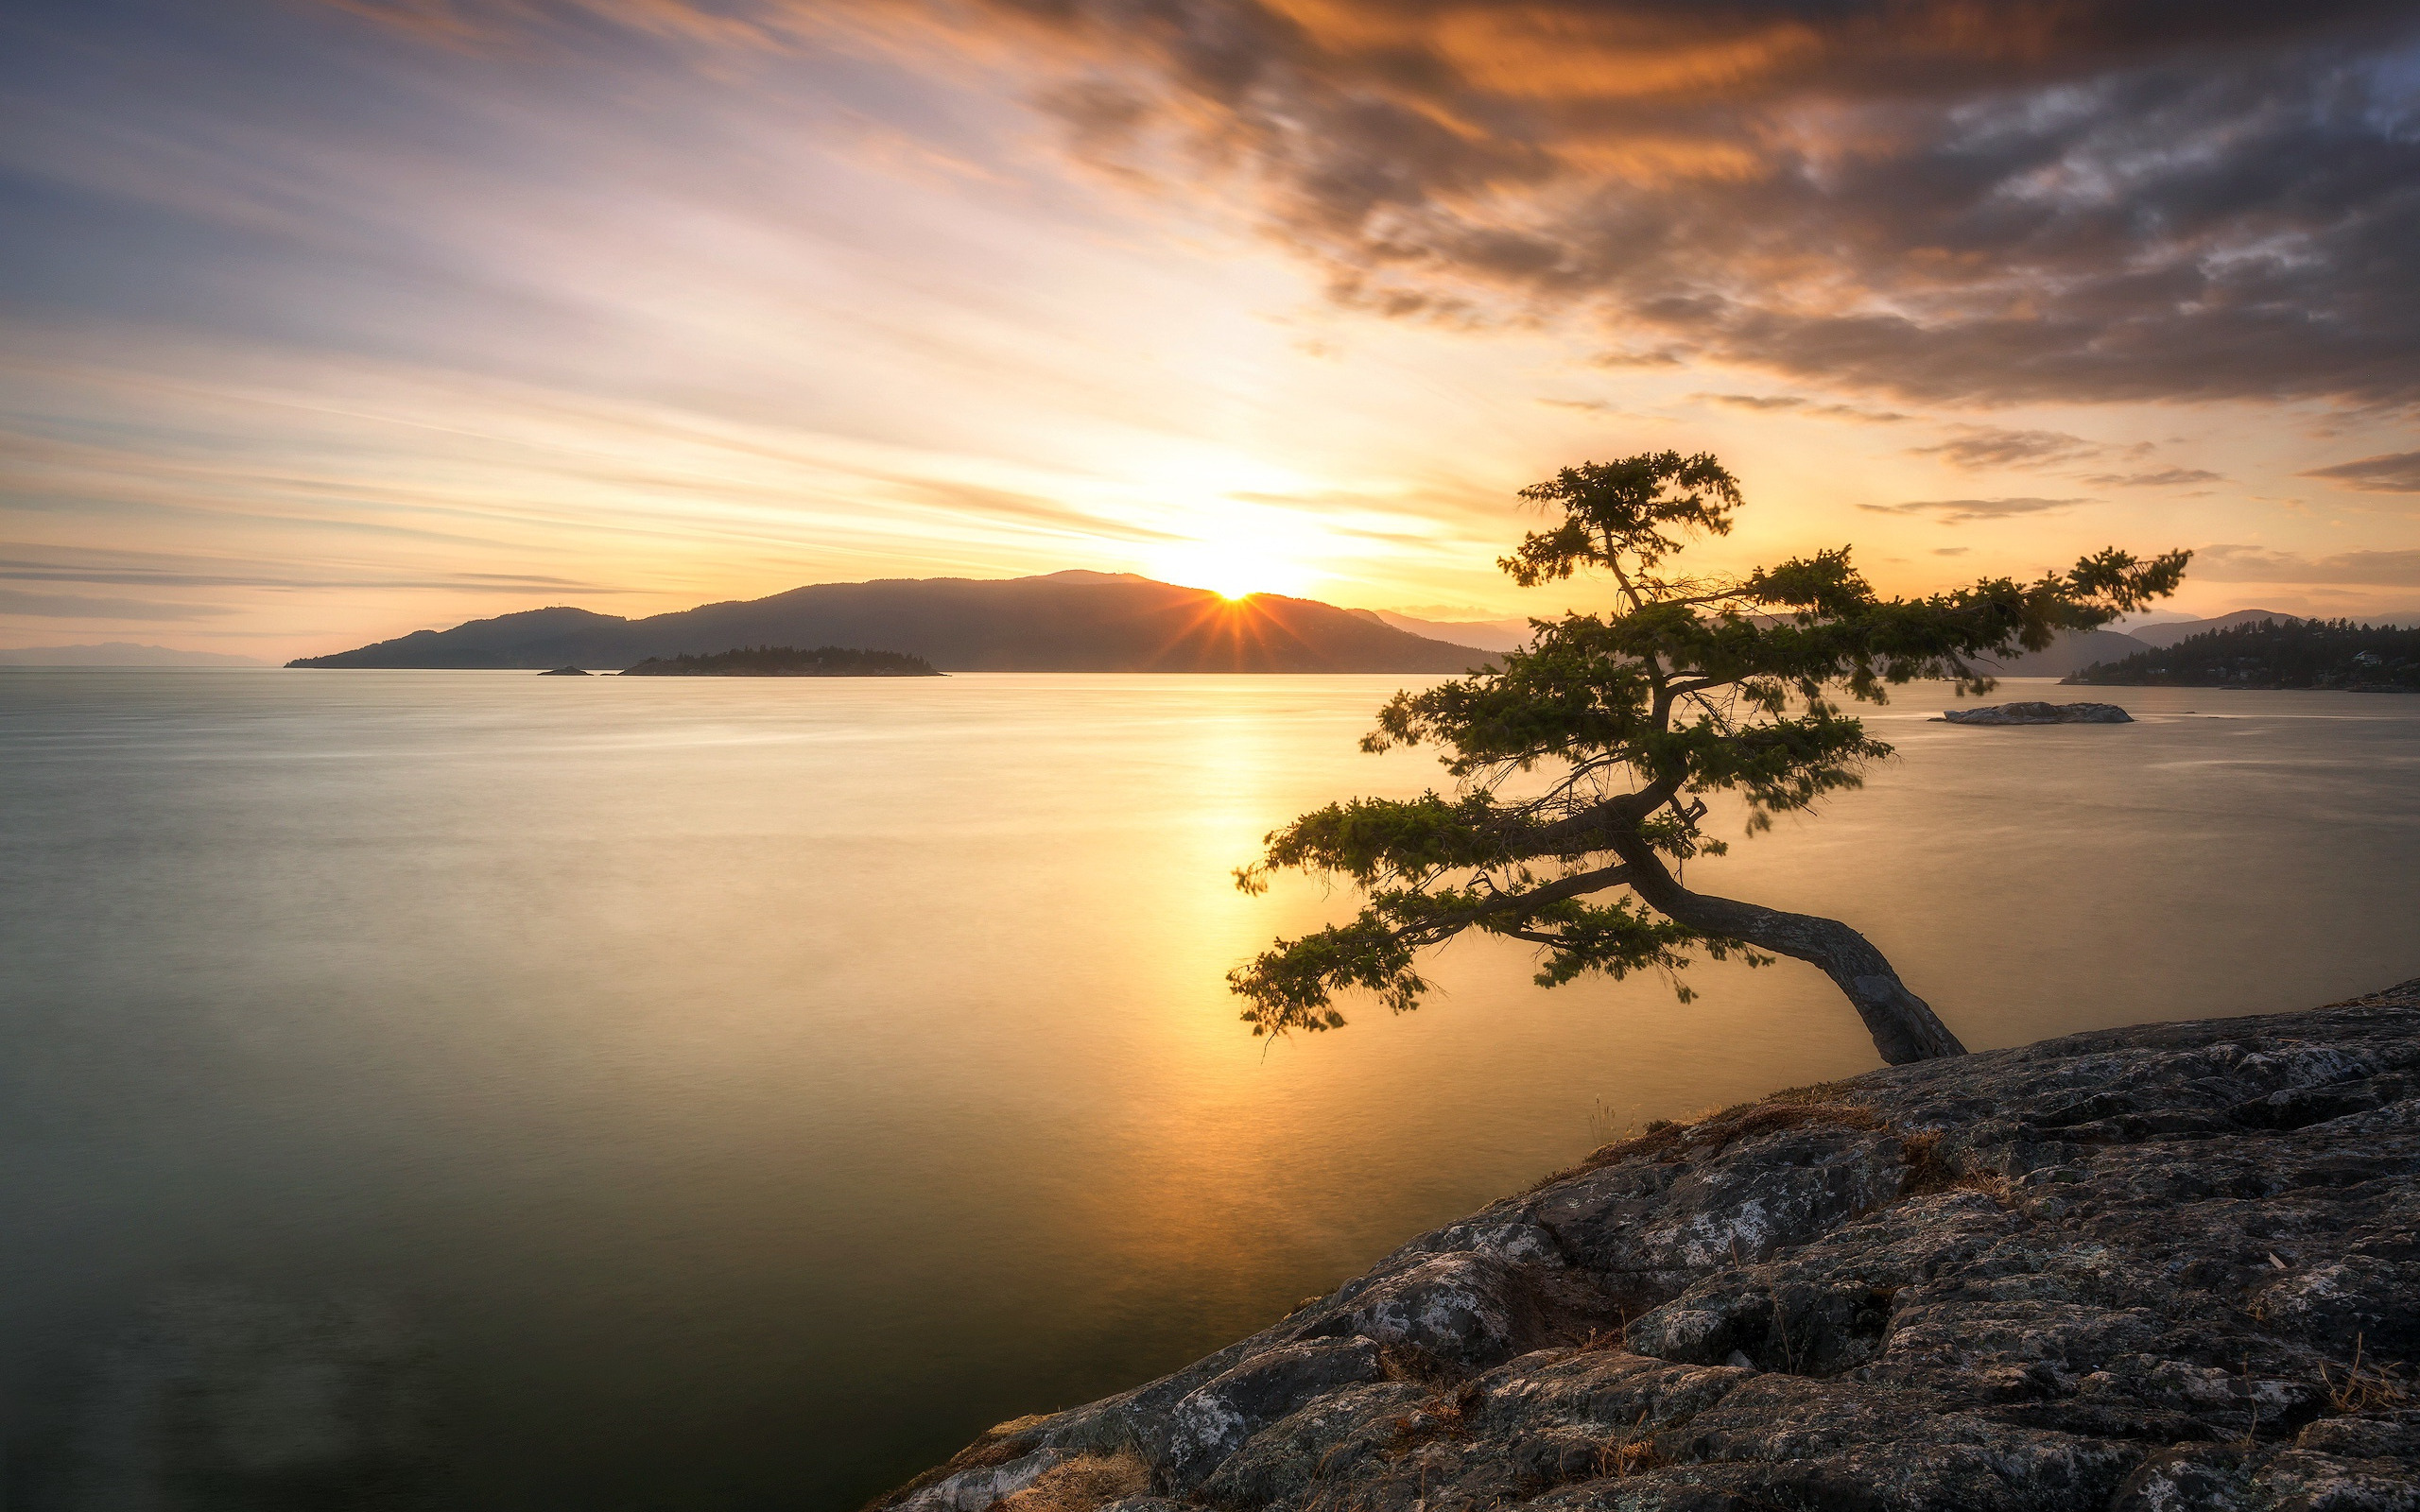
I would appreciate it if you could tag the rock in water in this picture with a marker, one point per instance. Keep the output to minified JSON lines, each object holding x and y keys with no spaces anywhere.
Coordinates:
{"x":566,"y":672}
{"x":2040,"y":713}
{"x":2170,"y":1266}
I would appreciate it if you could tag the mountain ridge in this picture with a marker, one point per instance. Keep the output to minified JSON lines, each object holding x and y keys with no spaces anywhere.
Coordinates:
{"x":1074,"y":620}
{"x":2165,"y":633}
{"x":120,"y":654}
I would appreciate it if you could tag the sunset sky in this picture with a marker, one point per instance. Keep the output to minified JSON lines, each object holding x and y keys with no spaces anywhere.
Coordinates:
{"x":322,"y":322}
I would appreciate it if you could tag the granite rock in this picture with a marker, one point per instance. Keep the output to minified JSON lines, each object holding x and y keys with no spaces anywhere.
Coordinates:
{"x":2040,"y":713}
{"x":2164,"y":1267}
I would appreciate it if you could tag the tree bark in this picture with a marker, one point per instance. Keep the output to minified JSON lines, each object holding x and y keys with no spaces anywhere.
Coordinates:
{"x":1904,"y":1027}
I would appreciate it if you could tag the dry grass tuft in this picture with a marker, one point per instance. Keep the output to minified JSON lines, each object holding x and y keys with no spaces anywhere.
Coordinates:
{"x":1632,"y":1458}
{"x":1601,"y":1340}
{"x":1929,"y":1170}
{"x":2364,"y":1387}
{"x":1081,"y":1485}
{"x":1442,"y":1415}
{"x":1770,"y":1117}
{"x":1990,"y":1184}
{"x":1409,"y":1361}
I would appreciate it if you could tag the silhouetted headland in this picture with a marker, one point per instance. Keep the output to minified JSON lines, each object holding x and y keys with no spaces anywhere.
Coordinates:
{"x":1066,"y":622}
{"x":2275,"y":653}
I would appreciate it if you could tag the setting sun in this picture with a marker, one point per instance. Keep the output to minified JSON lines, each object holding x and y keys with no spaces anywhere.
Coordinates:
{"x":1231,"y":571}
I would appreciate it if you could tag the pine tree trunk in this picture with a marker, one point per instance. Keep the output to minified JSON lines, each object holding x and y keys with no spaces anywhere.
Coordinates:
{"x":1903,"y":1025}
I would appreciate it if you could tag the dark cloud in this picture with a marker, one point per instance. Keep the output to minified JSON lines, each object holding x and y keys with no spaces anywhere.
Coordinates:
{"x":2030,"y":200}
{"x":1989,"y":446}
{"x":2166,"y":477}
{"x":1962,"y":512}
{"x":1951,"y":551}
{"x":2397,"y":473}
{"x":2259,"y":564}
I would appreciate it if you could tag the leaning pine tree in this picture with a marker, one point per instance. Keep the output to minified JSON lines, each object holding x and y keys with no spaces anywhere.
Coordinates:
{"x":1691,"y":687}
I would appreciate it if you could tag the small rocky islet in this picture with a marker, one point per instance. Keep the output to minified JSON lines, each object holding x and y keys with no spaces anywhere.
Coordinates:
{"x":2169,"y":1266}
{"x":2039,"y":713}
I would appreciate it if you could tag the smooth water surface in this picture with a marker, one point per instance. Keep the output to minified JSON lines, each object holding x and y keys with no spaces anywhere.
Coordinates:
{"x":474,"y":1090}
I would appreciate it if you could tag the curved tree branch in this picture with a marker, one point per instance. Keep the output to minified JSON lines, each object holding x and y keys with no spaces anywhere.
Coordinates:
{"x":1904,"y":1026}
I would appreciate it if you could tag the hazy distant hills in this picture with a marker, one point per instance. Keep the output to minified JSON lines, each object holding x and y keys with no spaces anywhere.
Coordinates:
{"x":2072,"y":651}
{"x":1066,"y":622}
{"x":119,"y":654}
{"x":2169,"y":632}
{"x":1488,"y":635}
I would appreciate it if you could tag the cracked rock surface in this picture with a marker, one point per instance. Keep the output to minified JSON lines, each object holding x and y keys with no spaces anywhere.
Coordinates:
{"x":2163,"y":1267}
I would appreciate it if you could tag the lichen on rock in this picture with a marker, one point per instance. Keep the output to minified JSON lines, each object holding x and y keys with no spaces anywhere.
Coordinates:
{"x":2165,"y":1267}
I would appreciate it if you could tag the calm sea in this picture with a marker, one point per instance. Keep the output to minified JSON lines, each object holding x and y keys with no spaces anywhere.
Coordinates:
{"x":474,"y":1090}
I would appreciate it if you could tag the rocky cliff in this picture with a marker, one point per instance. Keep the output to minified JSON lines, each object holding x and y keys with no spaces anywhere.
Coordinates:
{"x":2170,"y":1266}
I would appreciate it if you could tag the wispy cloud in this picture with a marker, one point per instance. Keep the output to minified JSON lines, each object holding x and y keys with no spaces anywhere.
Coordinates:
{"x":2167,"y":477}
{"x":82,"y":607}
{"x":1988,"y":446}
{"x":1964,"y":511}
{"x":2259,"y":564}
{"x":2396,"y":472}
{"x":1798,"y":405}
{"x":519,"y":583}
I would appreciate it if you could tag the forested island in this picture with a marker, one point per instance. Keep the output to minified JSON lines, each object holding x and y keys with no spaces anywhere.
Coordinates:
{"x":2274,"y":653}
{"x":787,"y":661}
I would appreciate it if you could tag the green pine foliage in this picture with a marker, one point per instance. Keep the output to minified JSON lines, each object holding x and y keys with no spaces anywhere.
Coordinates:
{"x":1691,"y":687}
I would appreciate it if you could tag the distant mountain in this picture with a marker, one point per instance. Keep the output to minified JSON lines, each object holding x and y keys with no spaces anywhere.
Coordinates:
{"x":2168,"y":633}
{"x":2072,"y":651}
{"x":1488,"y":635}
{"x":1066,"y":622}
{"x":119,"y":654}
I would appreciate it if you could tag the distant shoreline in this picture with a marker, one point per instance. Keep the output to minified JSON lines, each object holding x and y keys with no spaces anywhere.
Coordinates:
{"x":787,"y":661}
